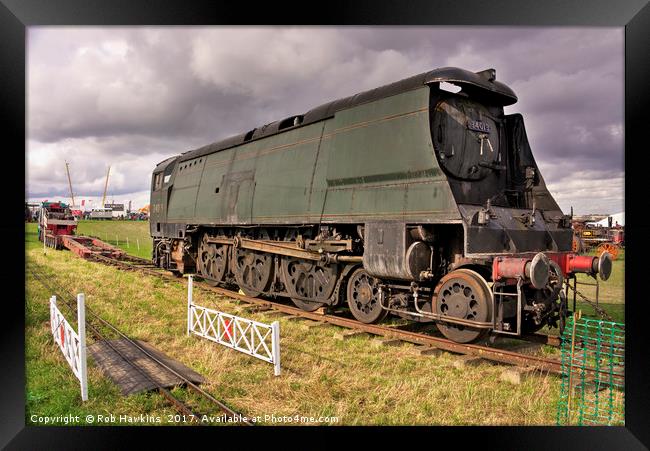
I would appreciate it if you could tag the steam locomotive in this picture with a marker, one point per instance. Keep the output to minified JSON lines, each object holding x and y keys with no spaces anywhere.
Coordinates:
{"x":408,"y":199}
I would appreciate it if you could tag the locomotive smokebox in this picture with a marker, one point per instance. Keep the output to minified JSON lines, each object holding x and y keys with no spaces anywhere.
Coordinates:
{"x":535,"y":270}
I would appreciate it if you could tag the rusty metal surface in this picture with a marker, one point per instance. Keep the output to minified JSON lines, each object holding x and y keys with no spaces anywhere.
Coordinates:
{"x":269,"y":247}
{"x":85,"y":246}
{"x":133,"y":371}
{"x":290,"y":250}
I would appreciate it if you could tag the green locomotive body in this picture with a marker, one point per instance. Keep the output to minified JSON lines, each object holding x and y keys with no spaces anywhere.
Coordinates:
{"x":392,"y":200}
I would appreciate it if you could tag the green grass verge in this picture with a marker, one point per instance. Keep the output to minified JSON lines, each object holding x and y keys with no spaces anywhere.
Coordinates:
{"x":131,"y":236}
{"x":611,"y":292}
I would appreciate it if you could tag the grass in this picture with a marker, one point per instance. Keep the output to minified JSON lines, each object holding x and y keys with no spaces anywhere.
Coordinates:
{"x":51,"y":388}
{"x":611,"y":292}
{"x":116,"y":233}
{"x":352,"y":380}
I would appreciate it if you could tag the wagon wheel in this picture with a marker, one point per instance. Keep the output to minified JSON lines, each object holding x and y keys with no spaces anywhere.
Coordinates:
{"x":253,"y":271}
{"x":463,"y":294}
{"x":609,"y":247}
{"x":576,"y":245}
{"x":363,"y":297}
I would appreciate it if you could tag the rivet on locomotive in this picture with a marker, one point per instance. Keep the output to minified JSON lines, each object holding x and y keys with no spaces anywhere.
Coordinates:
{"x":407,"y":199}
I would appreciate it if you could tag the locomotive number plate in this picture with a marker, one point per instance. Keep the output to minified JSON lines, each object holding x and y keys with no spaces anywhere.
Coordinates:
{"x":478,"y":126}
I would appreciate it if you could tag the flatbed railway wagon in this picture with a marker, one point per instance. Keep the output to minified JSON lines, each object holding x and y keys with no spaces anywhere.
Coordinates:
{"x":57,"y":227}
{"x":55,"y":220}
{"x":407,"y":199}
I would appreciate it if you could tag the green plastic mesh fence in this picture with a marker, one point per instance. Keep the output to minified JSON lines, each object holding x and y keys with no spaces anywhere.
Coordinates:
{"x":593,"y":366}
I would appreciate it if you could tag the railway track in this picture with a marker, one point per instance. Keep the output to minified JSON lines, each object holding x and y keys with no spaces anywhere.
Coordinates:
{"x":98,"y":327}
{"x":485,"y":352}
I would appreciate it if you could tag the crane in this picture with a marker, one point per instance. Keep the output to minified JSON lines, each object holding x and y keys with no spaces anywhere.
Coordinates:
{"x":105,"y":186}
{"x":67,"y":170}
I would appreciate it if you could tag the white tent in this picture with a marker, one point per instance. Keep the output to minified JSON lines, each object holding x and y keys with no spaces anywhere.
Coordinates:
{"x":618,"y":217}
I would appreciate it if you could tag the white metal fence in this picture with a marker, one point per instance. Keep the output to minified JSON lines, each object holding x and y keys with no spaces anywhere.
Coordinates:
{"x":71,"y":343}
{"x":250,"y":337}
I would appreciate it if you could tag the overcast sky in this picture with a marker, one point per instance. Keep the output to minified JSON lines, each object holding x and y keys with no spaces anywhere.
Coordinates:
{"x":131,"y":97}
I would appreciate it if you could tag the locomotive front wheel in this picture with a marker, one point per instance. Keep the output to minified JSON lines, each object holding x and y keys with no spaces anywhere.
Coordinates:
{"x":463,"y":294}
{"x":363,"y":297}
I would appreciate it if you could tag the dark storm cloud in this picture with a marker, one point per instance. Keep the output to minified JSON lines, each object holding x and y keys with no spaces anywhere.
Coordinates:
{"x":130,"y":97}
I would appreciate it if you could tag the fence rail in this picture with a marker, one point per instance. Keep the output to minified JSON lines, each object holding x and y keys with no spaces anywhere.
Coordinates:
{"x":244,"y":335}
{"x":71,"y":343}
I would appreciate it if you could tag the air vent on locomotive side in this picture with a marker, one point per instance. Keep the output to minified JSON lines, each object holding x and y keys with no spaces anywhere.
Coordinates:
{"x":406,"y":199}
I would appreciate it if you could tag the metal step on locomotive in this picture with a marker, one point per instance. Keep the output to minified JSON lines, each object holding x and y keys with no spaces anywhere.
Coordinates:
{"x":57,"y":229}
{"x":408,"y":199}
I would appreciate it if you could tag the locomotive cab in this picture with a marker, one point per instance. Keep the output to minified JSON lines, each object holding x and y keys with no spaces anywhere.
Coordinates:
{"x":169,"y":238}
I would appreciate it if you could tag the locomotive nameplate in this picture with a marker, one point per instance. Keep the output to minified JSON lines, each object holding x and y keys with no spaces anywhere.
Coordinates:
{"x":478,"y":126}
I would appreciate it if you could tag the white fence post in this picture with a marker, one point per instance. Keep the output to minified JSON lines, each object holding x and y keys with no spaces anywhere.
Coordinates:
{"x":137,"y":241}
{"x":189,"y":302}
{"x":275,"y":344}
{"x":81,"y":325}
{"x":52,"y":315}
{"x":71,"y":343}
{"x":43,"y":227}
{"x":117,"y":240}
{"x":127,"y":242}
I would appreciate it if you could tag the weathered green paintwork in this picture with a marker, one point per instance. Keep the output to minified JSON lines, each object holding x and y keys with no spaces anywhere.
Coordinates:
{"x":374,"y":160}
{"x":381,"y":163}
